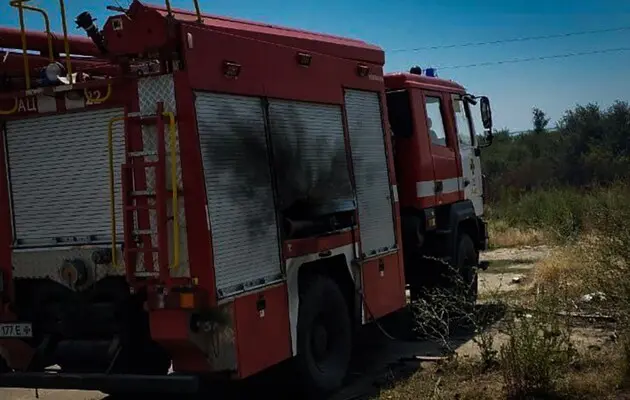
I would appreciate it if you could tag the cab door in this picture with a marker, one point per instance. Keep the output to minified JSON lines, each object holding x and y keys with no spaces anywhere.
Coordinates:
{"x":471,"y":162}
{"x":444,"y":148}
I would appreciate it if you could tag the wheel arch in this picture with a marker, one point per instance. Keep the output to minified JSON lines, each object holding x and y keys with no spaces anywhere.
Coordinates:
{"x":335,"y":264}
{"x":463,"y":219}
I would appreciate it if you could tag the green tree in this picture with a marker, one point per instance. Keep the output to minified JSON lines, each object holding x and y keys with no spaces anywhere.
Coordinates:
{"x":540,"y":120}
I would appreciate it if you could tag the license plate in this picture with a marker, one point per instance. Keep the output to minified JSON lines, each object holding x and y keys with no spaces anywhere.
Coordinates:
{"x":16,"y":330}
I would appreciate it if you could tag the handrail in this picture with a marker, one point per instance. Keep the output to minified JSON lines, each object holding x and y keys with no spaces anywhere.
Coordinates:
{"x":169,"y":11}
{"x":27,"y":75}
{"x":98,"y":100}
{"x":173,"y":143}
{"x":20,"y":4}
{"x":12,"y":110}
{"x":198,"y":11}
{"x":66,"y":43}
{"x":112,"y":190}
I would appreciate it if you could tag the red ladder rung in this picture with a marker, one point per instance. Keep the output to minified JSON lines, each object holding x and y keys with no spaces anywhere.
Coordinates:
{"x":143,"y":119}
{"x":145,"y":207}
{"x":145,"y":164}
{"x":143,"y":250}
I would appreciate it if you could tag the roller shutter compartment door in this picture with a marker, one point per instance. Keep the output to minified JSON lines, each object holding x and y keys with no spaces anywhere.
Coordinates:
{"x":239,"y":191}
{"x":310,"y":156}
{"x":376,"y":221}
{"x":59,"y":177}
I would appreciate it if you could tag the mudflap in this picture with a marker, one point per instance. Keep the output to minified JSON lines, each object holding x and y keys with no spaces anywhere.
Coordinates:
{"x":107,"y":383}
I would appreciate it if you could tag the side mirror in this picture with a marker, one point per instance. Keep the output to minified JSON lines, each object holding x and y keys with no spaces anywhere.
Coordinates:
{"x":486,"y":113}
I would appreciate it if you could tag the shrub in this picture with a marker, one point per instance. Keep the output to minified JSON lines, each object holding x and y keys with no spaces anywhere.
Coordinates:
{"x":535,"y":356}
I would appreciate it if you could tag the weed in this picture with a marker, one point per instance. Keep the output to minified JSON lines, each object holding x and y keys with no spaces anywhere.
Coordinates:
{"x":535,"y":356}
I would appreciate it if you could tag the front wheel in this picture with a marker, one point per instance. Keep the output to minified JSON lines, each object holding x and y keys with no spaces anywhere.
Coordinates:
{"x":467,"y":263}
{"x":324,"y":336}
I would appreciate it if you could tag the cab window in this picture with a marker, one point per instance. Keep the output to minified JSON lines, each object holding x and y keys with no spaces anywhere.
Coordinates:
{"x":435,"y":121}
{"x":399,"y":110}
{"x":464,"y":133}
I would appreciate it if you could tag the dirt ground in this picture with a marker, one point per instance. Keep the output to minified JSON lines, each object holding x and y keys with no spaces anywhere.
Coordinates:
{"x":386,"y":358}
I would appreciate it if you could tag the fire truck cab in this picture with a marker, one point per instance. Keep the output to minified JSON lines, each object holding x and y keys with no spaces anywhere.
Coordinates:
{"x":438,"y":167}
{"x":186,"y":197}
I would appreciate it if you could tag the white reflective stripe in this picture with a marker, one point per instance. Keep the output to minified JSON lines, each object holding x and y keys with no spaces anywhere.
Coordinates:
{"x":395,"y":193}
{"x":449,"y":186}
{"x":425,"y":188}
{"x":63,"y":88}
{"x":33,"y":92}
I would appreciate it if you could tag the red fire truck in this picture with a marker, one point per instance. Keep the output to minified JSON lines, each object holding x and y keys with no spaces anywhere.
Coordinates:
{"x":186,"y":197}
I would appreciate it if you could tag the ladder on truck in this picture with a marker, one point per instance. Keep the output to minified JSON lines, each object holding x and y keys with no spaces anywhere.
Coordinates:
{"x":142,"y":236}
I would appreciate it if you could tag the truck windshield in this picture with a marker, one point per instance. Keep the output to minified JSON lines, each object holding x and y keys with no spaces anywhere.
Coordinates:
{"x":399,"y":113}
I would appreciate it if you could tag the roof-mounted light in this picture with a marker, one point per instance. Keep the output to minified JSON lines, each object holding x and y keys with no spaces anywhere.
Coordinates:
{"x":416,"y":70}
{"x":431,"y":72}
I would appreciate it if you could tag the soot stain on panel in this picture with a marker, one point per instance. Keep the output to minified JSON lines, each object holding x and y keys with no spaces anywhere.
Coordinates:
{"x":240,"y":151}
{"x":312,"y":173}
{"x":305,"y":189}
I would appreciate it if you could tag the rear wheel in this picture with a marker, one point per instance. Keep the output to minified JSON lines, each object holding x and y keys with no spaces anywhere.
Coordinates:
{"x":4,"y":367}
{"x":324,"y":336}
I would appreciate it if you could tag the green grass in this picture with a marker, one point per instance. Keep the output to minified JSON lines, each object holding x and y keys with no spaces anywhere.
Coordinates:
{"x":559,"y":215}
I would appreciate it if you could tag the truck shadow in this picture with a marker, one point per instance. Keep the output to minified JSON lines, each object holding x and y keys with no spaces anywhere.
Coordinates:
{"x":384,"y":355}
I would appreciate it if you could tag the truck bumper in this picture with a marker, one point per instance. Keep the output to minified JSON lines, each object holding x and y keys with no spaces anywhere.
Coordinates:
{"x":107,"y":383}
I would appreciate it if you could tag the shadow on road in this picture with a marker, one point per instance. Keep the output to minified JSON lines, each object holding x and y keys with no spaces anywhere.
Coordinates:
{"x":379,"y":362}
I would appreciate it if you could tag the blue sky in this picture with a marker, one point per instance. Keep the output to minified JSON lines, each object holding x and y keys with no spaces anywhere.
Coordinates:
{"x":553,"y":85}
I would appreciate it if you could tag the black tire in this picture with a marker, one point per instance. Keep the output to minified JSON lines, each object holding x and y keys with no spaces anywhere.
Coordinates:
{"x":4,"y":367}
{"x":467,"y":263}
{"x":324,"y":336}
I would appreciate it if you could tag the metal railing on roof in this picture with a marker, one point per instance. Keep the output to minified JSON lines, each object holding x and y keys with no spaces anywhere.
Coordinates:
{"x":21,"y":6}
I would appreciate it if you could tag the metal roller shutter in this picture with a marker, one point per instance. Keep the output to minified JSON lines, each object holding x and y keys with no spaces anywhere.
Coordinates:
{"x":240,"y":192}
{"x":310,"y":155}
{"x":59,"y":177}
{"x":367,"y":142}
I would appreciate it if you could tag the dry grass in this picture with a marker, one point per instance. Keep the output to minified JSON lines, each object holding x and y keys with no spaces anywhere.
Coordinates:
{"x":454,"y":380}
{"x":504,"y":235}
{"x":563,"y":268}
{"x":594,"y":376}
{"x":587,"y":364}
{"x":580,"y":268}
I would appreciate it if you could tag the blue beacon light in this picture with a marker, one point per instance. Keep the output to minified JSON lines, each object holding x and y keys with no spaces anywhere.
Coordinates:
{"x":430,"y":72}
